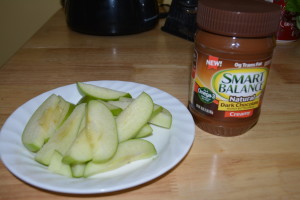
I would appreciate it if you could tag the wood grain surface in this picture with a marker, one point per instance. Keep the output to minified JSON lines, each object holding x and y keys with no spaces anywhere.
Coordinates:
{"x":264,"y":163}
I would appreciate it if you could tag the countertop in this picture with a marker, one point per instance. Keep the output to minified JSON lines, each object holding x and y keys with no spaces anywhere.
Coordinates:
{"x":264,"y":163}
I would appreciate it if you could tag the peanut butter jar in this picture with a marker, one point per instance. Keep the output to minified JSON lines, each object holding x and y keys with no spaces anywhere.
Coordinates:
{"x":234,"y":44}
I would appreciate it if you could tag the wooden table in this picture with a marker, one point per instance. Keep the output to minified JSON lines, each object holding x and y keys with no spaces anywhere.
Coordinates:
{"x":261,"y":164}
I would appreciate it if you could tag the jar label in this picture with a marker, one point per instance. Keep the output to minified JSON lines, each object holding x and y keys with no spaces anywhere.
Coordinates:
{"x":227,"y":88}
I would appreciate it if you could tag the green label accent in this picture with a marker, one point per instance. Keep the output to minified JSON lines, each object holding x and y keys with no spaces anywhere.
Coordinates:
{"x":206,"y":95}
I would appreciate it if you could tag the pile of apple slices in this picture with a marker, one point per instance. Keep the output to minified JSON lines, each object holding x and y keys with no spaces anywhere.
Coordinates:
{"x":102,"y":132}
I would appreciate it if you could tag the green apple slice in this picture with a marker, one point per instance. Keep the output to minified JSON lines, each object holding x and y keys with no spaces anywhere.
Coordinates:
{"x":78,"y":170}
{"x":156,"y":109}
{"x":134,"y":117}
{"x":85,"y":99}
{"x":162,"y":119}
{"x":44,"y":121}
{"x":100,"y":92}
{"x":129,"y":99}
{"x":145,"y":131}
{"x":80,"y":151}
{"x":124,"y":102}
{"x":101,"y":130}
{"x":128,"y":151}
{"x":63,"y":137}
{"x":57,"y":166}
{"x":120,"y":104}
{"x":115,"y":110}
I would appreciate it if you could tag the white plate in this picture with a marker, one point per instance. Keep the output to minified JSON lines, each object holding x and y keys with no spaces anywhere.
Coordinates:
{"x":172,"y":145}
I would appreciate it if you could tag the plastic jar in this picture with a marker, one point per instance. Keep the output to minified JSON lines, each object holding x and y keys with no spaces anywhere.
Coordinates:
{"x":233,"y":49}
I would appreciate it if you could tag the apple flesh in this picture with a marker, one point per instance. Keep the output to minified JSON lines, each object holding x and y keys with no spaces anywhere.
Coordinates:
{"x":57,"y":166}
{"x":125,"y":101}
{"x":160,"y":116}
{"x":145,"y":131}
{"x":78,"y":170}
{"x":63,"y":137}
{"x":134,"y":117}
{"x":101,"y":130}
{"x":98,"y":141}
{"x":101,"y":133}
{"x":80,"y":151}
{"x":162,"y":119}
{"x":128,"y":151}
{"x":44,"y":121}
{"x":115,"y":110}
{"x":101,"y":92}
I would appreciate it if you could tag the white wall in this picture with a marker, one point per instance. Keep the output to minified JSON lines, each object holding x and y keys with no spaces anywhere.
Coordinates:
{"x":19,"y":20}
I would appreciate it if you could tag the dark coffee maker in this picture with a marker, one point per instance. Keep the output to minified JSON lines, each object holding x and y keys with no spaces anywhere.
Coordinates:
{"x":111,"y":17}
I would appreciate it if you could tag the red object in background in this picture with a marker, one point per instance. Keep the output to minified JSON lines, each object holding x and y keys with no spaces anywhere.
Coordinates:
{"x":287,"y":30}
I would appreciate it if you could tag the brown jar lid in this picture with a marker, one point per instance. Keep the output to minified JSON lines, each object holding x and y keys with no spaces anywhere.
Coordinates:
{"x":241,"y":18}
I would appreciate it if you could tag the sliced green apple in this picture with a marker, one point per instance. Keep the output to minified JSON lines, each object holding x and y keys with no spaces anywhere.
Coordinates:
{"x":120,"y":104}
{"x":125,"y":101}
{"x":128,"y":151}
{"x":57,"y":166}
{"x":78,"y":170}
{"x":100,"y":92}
{"x":98,"y":141}
{"x":63,"y":137}
{"x":101,"y":130}
{"x":156,"y":109}
{"x":44,"y":121}
{"x":128,"y":99}
{"x":162,"y":119}
{"x":134,"y":117}
{"x":85,"y":99}
{"x":115,"y":110}
{"x":145,"y":131}
{"x":80,"y":151}
{"x":63,"y":111}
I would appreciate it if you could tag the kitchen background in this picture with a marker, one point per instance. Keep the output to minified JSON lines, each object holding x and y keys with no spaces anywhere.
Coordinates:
{"x":19,"y":20}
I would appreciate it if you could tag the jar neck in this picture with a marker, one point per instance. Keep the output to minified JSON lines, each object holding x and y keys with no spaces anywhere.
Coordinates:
{"x":235,"y":47}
